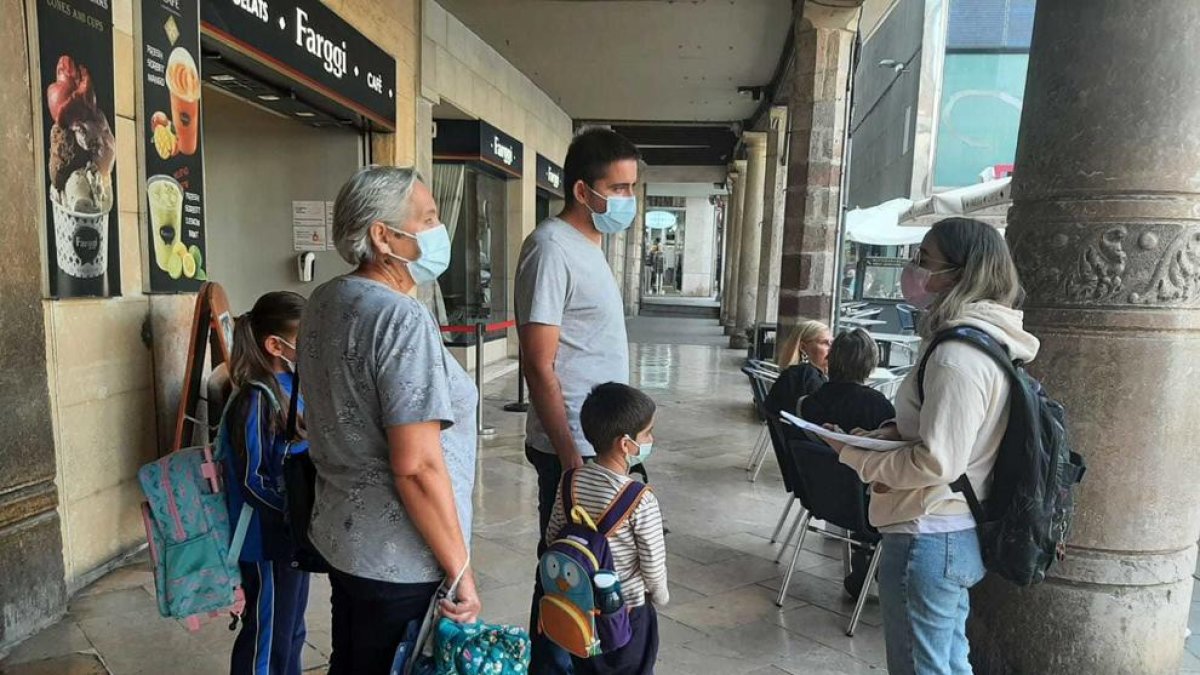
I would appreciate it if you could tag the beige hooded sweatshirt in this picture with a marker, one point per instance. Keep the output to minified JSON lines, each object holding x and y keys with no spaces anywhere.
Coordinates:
{"x":957,"y":429}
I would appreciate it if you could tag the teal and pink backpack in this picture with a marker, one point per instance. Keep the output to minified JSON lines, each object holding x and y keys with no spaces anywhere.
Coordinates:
{"x":192,"y":546}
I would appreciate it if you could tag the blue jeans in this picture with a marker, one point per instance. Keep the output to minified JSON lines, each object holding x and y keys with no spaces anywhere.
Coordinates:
{"x":924,"y":583}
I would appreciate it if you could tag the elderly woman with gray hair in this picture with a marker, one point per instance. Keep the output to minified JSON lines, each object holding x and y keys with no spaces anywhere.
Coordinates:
{"x":391,"y":421}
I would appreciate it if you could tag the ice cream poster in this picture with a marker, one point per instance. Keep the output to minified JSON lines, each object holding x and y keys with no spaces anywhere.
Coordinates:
{"x":173,"y":148}
{"x":76,"y":57}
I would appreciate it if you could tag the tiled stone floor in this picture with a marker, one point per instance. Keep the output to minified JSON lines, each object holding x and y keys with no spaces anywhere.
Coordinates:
{"x":722,"y":619}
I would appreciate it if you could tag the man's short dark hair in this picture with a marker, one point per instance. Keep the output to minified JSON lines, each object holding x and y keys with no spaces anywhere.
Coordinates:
{"x":612,"y":411}
{"x":852,"y":357}
{"x":590,"y":154}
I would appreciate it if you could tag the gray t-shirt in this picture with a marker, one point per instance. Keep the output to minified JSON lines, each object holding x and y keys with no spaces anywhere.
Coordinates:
{"x":372,"y":358}
{"x":563,"y":280}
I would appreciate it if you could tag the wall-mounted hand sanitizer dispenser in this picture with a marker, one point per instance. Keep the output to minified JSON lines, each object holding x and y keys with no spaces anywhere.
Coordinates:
{"x":306,"y":264}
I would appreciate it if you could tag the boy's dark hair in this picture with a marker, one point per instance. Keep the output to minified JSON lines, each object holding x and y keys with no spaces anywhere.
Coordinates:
{"x":614,"y":410}
{"x":589,"y":156}
{"x":852,"y":357}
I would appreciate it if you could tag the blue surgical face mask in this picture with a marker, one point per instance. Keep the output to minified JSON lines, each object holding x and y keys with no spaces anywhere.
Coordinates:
{"x":619,"y":215}
{"x":434,"y":246}
{"x":643,"y":453}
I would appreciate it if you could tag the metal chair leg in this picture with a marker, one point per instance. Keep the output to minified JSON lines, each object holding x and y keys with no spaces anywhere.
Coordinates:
{"x":759,"y":448}
{"x":847,"y":552}
{"x":782,"y":519}
{"x":862,"y":596}
{"x":802,"y":515}
{"x":787,"y":578}
{"x":762,"y":459}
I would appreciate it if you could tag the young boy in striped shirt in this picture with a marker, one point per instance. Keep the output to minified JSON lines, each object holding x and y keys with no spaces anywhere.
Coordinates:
{"x":618,"y":421}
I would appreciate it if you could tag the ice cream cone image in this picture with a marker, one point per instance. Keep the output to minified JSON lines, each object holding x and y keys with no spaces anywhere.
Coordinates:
{"x":81,"y":157}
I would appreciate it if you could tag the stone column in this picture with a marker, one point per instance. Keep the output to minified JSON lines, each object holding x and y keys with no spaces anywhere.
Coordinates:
{"x":733,"y":249}
{"x":750,"y":249}
{"x":634,"y":255}
{"x":774,"y":186}
{"x":817,"y":118}
{"x":1105,"y":228}
{"x":727,"y":222}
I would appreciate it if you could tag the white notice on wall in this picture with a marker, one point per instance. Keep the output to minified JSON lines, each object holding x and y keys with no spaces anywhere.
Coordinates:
{"x":308,"y":226}
{"x":329,"y":226}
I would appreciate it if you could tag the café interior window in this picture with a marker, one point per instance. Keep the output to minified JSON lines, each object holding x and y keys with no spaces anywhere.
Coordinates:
{"x":474,"y":207}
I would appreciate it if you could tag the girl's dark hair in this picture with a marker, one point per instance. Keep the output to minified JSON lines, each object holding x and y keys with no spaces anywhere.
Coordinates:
{"x":852,"y":357}
{"x":612,"y":411}
{"x":278,"y":314}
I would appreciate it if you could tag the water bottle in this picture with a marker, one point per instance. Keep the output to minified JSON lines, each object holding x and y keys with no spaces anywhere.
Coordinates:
{"x":608,"y":592}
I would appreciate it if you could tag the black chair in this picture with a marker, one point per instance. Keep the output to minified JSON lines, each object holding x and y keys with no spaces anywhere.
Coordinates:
{"x":907,"y":315}
{"x":759,"y":383}
{"x":831,"y":491}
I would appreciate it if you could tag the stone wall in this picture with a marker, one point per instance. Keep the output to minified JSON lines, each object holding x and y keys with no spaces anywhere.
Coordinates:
{"x":31,"y":593}
{"x":91,"y":385}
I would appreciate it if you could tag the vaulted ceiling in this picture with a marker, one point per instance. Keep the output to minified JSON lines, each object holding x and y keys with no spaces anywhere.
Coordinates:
{"x":638,"y":60}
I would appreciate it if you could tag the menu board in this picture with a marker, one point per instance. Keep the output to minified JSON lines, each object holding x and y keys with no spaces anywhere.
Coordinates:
{"x":171,"y":135}
{"x":76,"y":90}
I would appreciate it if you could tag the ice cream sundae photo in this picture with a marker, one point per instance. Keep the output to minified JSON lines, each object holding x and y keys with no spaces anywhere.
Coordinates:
{"x":81,"y":157}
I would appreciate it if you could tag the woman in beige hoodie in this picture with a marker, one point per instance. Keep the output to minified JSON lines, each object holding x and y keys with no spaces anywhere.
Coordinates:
{"x":963,"y":275}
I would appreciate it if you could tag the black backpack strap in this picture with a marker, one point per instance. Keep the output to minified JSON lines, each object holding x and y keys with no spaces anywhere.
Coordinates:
{"x":974,"y":336}
{"x":294,"y":409}
{"x":621,"y":507}
{"x":962,"y":485}
{"x":999,"y":353}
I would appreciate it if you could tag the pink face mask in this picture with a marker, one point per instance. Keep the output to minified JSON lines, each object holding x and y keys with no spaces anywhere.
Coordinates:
{"x":913,"y":282}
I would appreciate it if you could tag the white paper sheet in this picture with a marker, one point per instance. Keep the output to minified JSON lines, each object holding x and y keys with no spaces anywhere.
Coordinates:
{"x":849,"y":439}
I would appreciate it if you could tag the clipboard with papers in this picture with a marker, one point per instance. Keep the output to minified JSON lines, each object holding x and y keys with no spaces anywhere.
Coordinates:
{"x":860,"y":442}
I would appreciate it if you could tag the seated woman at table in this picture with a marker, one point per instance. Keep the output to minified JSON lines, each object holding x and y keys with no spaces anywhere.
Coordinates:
{"x":850,"y":404}
{"x":803,"y":361}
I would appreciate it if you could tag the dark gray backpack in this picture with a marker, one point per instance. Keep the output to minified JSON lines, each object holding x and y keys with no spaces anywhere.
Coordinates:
{"x":1024,"y":523}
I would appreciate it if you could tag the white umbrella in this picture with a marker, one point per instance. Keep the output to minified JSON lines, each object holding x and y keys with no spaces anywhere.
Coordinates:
{"x":880,"y":225}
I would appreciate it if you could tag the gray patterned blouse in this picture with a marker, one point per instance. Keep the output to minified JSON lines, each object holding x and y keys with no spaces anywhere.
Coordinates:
{"x":372,"y":358}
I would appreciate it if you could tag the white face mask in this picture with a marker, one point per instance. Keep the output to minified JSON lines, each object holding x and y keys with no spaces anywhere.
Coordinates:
{"x":291,"y":365}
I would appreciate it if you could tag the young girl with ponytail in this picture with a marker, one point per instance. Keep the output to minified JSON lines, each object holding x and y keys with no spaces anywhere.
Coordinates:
{"x":254,"y":441}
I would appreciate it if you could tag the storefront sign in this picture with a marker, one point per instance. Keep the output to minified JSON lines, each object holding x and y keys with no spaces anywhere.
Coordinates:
{"x":171,"y":135}
{"x":549,"y":176}
{"x":306,"y":41}
{"x":472,"y":140}
{"x":76,"y":91}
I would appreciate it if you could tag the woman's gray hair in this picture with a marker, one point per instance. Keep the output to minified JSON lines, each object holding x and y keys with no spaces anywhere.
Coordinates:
{"x":374,"y":194}
{"x":853,"y":357}
{"x":983,"y":264}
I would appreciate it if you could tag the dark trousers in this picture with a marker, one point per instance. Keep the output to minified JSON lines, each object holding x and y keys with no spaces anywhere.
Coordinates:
{"x":635,"y":658}
{"x":369,"y":618}
{"x":546,"y":658}
{"x":271,"y":641}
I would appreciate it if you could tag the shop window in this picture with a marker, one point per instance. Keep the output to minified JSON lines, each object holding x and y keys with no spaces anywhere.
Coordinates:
{"x":474,"y":207}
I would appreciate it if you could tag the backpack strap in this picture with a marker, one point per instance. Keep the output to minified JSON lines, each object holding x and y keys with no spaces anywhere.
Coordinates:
{"x":239,"y":534}
{"x":567,"y":488}
{"x":998,"y":353}
{"x":973,"y":336}
{"x":293,"y":408}
{"x":621,"y":507}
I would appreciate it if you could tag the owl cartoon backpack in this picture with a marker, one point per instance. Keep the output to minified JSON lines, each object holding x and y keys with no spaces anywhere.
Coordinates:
{"x":581,"y":609}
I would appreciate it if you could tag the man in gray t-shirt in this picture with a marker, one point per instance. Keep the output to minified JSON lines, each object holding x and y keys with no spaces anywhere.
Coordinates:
{"x":571,"y":321}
